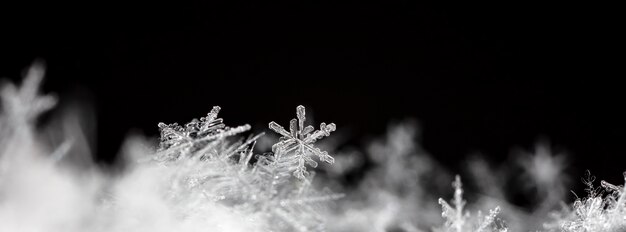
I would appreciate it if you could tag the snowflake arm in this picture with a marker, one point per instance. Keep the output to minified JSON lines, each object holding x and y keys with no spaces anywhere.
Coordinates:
{"x":298,"y":142}
{"x":457,"y":220}
{"x":454,"y":215}
{"x":23,"y":104}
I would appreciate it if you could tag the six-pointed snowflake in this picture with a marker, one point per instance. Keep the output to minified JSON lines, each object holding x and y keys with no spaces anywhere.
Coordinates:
{"x":297,"y":143}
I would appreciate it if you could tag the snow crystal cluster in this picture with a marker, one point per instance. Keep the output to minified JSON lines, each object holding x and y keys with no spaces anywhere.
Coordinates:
{"x":206,"y":176}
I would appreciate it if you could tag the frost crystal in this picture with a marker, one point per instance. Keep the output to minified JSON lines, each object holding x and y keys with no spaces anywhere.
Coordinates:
{"x":194,"y":135}
{"x":209,"y":165}
{"x":599,"y":211}
{"x":297,"y":143}
{"x":174,"y":134}
{"x":22,"y":105}
{"x":459,"y":221}
{"x":454,"y":215}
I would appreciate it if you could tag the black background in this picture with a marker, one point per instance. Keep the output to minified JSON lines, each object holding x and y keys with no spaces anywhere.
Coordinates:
{"x":479,"y":77}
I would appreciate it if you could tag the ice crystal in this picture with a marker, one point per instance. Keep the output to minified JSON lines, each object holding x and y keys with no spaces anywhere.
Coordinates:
{"x":457,"y":220}
{"x":205,"y":174}
{"x":599,"y":211}
{"x":206,"y":161}
{"x":194,"y":135}
{"x":174,"y":134}
{"x":298,"y":142}
{"x":22,"y":105}
{"x":399,"y":190}
{"x":539,"y":176}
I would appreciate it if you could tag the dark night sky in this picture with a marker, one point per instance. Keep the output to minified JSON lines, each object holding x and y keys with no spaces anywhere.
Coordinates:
{"x":482,"y":78}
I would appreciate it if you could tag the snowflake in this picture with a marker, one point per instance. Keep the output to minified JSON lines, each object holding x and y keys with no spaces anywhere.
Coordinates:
{"x":174,"y":134}
{"x":23,"y":104}
{"x":297,"y":143}
{"x":457,"y":220}
{"x":196,"y":136}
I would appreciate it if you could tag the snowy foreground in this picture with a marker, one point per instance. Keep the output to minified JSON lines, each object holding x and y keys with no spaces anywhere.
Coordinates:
{"x":206,"y":176}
